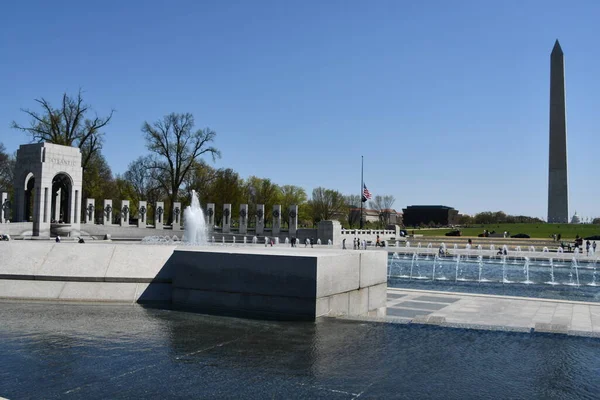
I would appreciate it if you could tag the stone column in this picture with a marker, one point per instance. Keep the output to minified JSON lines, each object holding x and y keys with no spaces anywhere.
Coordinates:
{"x":210,"y":215}
{"x":293,"y":220}
{"x":276,"y":214}
{"x":4,"y":208}
{"x":57,"y":205}
{"x":107,"y":212}
{"x":243,"y":218}
{"x":159,"y":213}
{"x":125,"y":210}
{"x":142,"y":213}
{"x":90,"y":211}
{"x":39,"y":228}
{"x":260,"y":219}
{"x":176,"y":216}
{"x":226,"y":223}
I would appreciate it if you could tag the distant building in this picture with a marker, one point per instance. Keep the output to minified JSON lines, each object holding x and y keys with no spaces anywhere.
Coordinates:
{"x":439,"y":215}
{"x":387,"y":216}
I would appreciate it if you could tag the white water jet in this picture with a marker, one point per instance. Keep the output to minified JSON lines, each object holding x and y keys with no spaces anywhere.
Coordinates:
{"x":526,"y":271}
{"x":319,"y":242}
{"x":196,"y":231}
{"x":552,"y":281}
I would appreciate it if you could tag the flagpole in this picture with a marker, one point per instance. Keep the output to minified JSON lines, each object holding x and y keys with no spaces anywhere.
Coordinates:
{"x":361,"y":190}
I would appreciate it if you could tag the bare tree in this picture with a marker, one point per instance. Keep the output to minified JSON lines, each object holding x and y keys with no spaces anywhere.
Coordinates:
{"x":383,"y":205}
{"x":67,"y":125}
{"x":143,"y":180}
{"x":177,"y":147}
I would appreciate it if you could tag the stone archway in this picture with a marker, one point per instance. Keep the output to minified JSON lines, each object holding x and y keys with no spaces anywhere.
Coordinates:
{"x":47,"y":187}
{"x":60,"y":209}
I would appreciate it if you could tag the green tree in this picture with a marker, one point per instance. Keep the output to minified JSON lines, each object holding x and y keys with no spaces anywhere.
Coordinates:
{"x":226,"y":187}
{"x":99,"y":183}
{"x":7,"y":169}
{"x":71,"y":124}
{"x":177,"y":146}
{"x":327,"y":204}
{"x":353,"y":204}
{"x":200,"y":179}
{"x":291,"y":195}
{"x":261,"y":191}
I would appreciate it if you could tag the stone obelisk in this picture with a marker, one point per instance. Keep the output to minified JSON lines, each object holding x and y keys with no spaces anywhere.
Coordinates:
{"x":558,"y":189}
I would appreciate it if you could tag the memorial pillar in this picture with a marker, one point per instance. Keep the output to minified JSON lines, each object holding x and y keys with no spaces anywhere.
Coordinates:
{"x":293,"y":220}
{"x":226,"y":223}
{"x":90,"y":211}
{"x":107,"y":212}
{"x":276,"y":214}
{"x":210,"y":215}
{"x":4,"y":208}
{"x":57,"y":206}
{"x":260,"y":219}
{"x":176,"y":216}
{"x":243,"y":218}
{"x":124,"y":218}
{"x":159,"y":211}
{"x":142,"y":212}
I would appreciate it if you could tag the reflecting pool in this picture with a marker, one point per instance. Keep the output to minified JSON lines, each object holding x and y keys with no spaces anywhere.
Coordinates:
{"x":106,"y":351}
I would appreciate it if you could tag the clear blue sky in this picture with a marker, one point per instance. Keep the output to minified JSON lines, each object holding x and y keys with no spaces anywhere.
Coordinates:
{"x":447,"y":100}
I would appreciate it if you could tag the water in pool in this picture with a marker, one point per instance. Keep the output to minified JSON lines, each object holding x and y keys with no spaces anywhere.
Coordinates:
{"x":101,"y":351}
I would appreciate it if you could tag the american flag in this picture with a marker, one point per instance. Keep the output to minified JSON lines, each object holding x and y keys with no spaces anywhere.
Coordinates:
{"x":366,"y":195}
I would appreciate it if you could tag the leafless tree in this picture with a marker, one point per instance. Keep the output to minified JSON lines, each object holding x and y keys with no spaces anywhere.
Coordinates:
{"x":383,"y":205}
{"x":67,"y":125}
{"x":176,"y":146}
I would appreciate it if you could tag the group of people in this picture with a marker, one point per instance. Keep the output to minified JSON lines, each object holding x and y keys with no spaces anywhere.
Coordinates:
{"x":357,"y":244}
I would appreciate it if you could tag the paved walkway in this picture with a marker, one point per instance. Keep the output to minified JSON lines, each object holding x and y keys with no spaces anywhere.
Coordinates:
{"x":466,"y":310}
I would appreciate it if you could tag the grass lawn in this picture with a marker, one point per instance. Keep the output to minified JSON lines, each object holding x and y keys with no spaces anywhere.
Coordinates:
{"x":568,"y":231}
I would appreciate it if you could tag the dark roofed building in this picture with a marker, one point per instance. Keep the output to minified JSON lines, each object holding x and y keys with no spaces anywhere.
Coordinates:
{"x":439,"y":215}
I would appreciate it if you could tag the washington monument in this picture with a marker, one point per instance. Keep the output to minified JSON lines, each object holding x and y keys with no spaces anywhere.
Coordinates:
{"x":558,"y":187}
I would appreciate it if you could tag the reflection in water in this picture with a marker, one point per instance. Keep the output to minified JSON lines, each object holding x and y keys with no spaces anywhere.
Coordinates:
{"x":106,"y":351}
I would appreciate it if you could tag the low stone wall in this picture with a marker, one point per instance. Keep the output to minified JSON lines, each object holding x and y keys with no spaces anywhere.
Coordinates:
{"x":286,"y":283}
{"x":46,"y":270}
{"x":281,"y":282}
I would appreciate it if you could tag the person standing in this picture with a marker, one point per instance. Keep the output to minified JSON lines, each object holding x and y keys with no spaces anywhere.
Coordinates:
{"x":587,"y":247}
{"x":344,"y":244}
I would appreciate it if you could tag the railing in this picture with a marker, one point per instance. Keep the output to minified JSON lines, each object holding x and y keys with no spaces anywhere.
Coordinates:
{"x":368,"y":232}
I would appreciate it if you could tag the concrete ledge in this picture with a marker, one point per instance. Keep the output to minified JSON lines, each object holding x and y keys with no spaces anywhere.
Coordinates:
{"x":301,"y":283}
{"x":551,"y":328}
